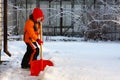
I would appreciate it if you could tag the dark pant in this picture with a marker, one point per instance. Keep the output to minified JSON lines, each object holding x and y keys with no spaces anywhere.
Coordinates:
{"x":32,"y":48}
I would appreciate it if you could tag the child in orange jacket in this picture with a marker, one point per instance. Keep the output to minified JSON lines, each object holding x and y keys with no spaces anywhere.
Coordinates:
{"x":31,"y":36}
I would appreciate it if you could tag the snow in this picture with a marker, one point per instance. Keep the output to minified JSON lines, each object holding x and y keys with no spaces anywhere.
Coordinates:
{"x":73,"y":60}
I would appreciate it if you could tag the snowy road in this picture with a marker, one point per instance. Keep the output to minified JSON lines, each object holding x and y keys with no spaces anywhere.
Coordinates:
{"x":73,"y":61}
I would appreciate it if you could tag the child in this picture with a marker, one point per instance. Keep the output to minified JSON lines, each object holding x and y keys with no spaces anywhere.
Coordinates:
{"x":31,"y":36}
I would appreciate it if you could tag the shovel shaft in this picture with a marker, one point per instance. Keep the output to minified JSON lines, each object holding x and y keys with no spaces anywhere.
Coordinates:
{"x":41,"y":34}
{"x":41,"y":55}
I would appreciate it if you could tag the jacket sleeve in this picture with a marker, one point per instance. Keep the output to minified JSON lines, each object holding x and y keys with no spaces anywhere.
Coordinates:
{"x":30,"y":30}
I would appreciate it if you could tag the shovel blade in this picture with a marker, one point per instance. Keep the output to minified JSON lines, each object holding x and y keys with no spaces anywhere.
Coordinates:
{"x":37,"y":66}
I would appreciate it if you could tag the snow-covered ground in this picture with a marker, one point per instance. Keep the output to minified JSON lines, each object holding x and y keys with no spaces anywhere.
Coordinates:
{"x":73,"y":60}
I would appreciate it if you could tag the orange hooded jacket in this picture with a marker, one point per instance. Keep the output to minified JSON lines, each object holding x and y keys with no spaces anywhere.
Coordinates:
{"x":31,"y":31}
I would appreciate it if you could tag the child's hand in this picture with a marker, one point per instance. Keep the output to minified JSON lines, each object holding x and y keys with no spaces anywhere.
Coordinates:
{"x":39,"y":42}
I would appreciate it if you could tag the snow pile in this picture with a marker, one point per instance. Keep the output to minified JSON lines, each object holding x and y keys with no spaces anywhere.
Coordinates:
{"x":73,"y":60}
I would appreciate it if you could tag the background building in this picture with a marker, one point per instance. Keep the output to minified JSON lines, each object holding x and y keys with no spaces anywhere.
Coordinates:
{"x":68,"y":17}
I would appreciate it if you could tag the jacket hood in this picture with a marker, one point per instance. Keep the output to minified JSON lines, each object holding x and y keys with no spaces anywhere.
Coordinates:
{"x":37,"y":13}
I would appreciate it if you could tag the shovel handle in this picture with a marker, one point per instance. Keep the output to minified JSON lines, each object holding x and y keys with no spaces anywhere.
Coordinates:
{"x":41,"y":34}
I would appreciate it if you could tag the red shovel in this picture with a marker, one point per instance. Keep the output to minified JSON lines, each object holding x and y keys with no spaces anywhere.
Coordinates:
{"x":36,"y":66}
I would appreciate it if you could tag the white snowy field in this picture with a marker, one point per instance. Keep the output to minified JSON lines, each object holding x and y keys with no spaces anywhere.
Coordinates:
{"x":73,"y":60}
